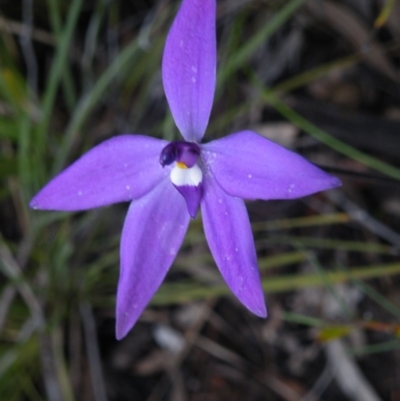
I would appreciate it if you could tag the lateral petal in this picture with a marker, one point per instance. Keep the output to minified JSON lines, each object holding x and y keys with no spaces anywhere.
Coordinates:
{"x":250,"y":166}
{"x":189,"y":67}
{"x":152,"y":235}
{"x":229,"y":236}
{"x":120,"y":169}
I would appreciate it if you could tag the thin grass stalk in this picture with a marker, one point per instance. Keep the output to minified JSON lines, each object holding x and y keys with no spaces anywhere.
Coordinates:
{"x":326,"y":138}
{"x":242,"y":55}
{"x":67,"y":81}
{"x":88,"y":101}
{"x":178,"y":293}
{"x":58,"y":66}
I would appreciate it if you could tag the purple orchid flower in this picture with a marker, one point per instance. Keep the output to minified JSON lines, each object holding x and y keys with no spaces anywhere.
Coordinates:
{"x":167,"y":182}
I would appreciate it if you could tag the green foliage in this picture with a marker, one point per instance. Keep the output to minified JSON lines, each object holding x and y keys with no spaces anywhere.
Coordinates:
{"x":60,"y":261}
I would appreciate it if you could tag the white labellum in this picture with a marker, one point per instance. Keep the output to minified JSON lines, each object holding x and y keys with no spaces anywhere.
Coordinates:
{"x":186,"y":176}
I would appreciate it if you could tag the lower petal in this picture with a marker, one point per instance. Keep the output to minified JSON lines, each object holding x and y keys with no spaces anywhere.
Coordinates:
{"x":188,"y":182}
{"x":229,"y":236}
{"x":192,"y":196}
{"x":153,"y":233}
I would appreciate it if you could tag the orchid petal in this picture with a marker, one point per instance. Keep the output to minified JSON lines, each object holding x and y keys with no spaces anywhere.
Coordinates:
{"x":152,"y":235}
{"x":228,"y":232}
{"x":120,"y":169}
{"x":189,"y":67}
{"x":192,"y":195}
{"x":250,"y":166}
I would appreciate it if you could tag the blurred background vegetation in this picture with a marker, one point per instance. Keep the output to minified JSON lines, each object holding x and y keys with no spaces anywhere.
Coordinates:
{"x":318,"y":76}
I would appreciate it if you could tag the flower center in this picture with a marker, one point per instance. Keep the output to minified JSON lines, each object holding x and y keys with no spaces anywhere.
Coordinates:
{"x":184,"y":153}
{"x":186,"y":175}
{"x":181,"y":165}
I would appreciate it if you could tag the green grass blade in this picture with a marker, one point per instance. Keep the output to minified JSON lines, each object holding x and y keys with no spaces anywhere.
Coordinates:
{"x":117,"y":68}
{"x":381,"y":300}
{"x":180,"y":293}
{"x":302,"y":319}
{"x":301,"y":222}
{"x":385,"y":13}
{"x":58,"y":67}
{"x":328,"y":139}
{"x":327,"y":243}
{"x":316,"y":73}
{"x":68,"y":85}
{"x":241,"y":56}
{"x":375,"y":348}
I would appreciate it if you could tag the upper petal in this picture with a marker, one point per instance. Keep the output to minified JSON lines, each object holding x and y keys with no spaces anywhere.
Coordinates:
{"x":189,"y":67}
{"x":229,"y":236}
{"x":153,"y":233}
{"x":250,"y":166}
{"x":120,"y":169}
